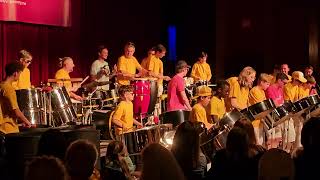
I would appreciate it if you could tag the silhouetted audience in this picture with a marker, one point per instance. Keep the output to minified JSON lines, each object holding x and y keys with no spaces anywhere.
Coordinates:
{"x":186,"y":150}
{"x":45,"y":167}
{"x":52,"y":143}
{"x":159,"y":164}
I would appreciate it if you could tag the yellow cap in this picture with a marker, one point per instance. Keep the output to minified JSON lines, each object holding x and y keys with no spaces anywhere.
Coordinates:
{"x":298,"y":75}
{"x":203,"y":91}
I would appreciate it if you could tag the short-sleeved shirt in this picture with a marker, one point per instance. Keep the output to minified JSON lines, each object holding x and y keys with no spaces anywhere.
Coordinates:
{"x":201,"y":70}
{"x":63,"y":74}
{"x":276,"y":94}
{"x":217,"y":107}
{"x":127,"y":65}
{"x":96,"y":67}
{"x":303,"y":92}
{"x":175,"y":101}
{"x":23,"y":81}
{"x":124,"y":113}
{"x":156,"y":66}
{"x":8,"y":103}
{"x":240,"y":93}
{"x":256,"y":95}
{"x":291,"y":92}
{"x":198,"y":114}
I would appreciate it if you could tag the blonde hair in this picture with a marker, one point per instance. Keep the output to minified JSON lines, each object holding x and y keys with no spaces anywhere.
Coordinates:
{"x":24,"y":54}
{"x":246,"y":72}
{"x":265,"y":77}
{"x":63,"y":60}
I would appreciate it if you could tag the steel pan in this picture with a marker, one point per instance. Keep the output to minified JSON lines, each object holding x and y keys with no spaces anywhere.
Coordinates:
{"x":30,"y":103}
{"x":302,"y":106}
{"x":138,"y":139}
{"x":315,"y":110}
{"x":279,"y":115}
{"x":262,"y":109}
{"x":63,"y":111}
{"x":230,"y":118}
{"x":174,"y":117}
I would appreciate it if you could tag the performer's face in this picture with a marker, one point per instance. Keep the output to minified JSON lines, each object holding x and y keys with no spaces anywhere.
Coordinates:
{"x":26,"y":61}
{"x":69,"y":65}
{"x":225,"y":91}
{"x":251,"y":78}
{"x":265,"y":85}
{"x":206,"y":100}
{"x":308,"y":72}
{"x":203,"y":59}
{"x":161,"y":54}
{"x":129,"y":96}
{"x":104,"y":53}
{"x":285,"y":68}
{"x":129,"y":51}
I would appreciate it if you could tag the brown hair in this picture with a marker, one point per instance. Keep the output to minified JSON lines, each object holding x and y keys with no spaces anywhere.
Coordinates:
{"x":125,"y":88}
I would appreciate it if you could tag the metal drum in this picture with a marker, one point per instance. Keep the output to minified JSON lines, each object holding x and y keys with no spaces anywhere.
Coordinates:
{"x":63,"y":112}
{"x":174,"y":117}
{"x":262,"y":109}
{"x":220,"y":141}
{"x":315,"y":101}
{"x":30,"y":103}
{"x":138,"y":139}
{"x":279,"y":115}
{"x":110,"y":97}
{"x":230,"y":118}
{"x":302,"y":106}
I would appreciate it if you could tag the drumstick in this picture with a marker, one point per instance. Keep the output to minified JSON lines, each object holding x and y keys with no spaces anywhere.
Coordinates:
{"x":84,"y":80}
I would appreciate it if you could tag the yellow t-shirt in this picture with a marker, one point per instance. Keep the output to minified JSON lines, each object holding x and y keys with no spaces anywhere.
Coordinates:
{"x":8,"y":103}
{"x":127,"y":65}
{"x":156,"y":66}
{"x":217,"y":107}
{"x":63,"y":74}
{"x":303,"y":92}
{"x":240,"y":93}
{"x":145,"y":62}
{"x":23,"y":81}
{"x":124,"y":113}
{"x":256,"y":95}
{"x":202,"y":71}
{"x":291,"y":92}
{"x":198,"y":114}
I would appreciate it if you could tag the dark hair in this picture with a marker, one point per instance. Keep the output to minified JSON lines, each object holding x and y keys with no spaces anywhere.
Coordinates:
{"x":221,"y":84}
{"x":202,"y":54}
{"x":248,"y":127}
{"x":310,"y":134}
{"x":181,"y":64}
{"x":159,"y":48}
{"x":130,"y":44}
{"x":186,"y":146}
{"x":52,"y":143}
{"x":81,"y":157}
{"x":309,"y":67}
{"x":276,"y":67}
{"x":237,"y":143}
{"x":125,"y":88}
{"x":13,"y":67}
{"x":101,"y":47}
{"x":282,"y":76}
{"x":45,"y":167}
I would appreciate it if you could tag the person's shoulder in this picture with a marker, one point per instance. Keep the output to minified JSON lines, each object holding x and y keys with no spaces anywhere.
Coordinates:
{"x":232,"y":79}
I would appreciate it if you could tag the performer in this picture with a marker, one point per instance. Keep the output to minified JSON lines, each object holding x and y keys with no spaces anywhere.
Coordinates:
{"x":308,"y":71}
{"x":128,"y":64}
{"x":155,"y":67}
{"x":123,"y":114}
{"x":9,"y":109}
{"x":100,"y":70}
{"x":275,"y":91}
{"x":308,"y":88}
{"x":217,"y":106}
{"x":145,"y":61}
{"x":198,"y":113}
{"x":276,"y":70}
{"x":177,"y":98}
{"x":63,"y":78}
{"x":201,"y":69}
{"x":291,"y":89}
{"x":285,"y":69}
{"x":257,"y":95}
{"x":240,"y":86}
{"x":25,"y":58}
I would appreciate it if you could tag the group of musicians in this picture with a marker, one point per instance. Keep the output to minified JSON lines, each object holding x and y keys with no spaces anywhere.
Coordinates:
{"x":233,"y":93}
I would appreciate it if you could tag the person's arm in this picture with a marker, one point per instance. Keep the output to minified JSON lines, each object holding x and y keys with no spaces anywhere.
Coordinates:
{"x":214,"y":118}
{"x":185,"y":100}
{"x":137,"y":123}
{"x":235,"y":104}
{"x":22,"y":118}
{"x":209,"y":73}
{"x":75,"y":96}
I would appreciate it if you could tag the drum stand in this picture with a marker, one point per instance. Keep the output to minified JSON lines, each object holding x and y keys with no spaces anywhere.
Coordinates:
{"x":89,"y":113}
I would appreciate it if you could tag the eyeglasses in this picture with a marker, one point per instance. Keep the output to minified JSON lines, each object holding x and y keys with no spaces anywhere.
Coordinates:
{"x":28,"y":61}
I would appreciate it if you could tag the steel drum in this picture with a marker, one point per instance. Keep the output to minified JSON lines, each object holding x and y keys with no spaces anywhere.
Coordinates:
{"x":30,"y":103}
{"x":261,"y":109}
{"x":302,"y":106}
{"x":230,"y":118}
{"x":138,"y":139}
{"x":63,"y":111}
{"x":315,"y":110}
{"x":174,"y":117}
{"x":279,"y":115}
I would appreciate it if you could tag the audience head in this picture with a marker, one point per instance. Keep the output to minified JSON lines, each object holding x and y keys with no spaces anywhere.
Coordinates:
{"x":45,"y":167}
{"x":248,"y":127}
{"x":186,"y":146}
{"x":52,"y":143}
{"x":25,"y":57}
{"x":238,"y":143}
{"x":159,"y":164}
{"x":247,"y":77}
{"x":81,"y":157}
{"x":310,"y":134}
{"x":13,"y":69}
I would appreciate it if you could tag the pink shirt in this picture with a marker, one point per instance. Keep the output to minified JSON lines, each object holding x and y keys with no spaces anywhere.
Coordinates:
{"x":175,"y":101}
{"x":276,"y":94}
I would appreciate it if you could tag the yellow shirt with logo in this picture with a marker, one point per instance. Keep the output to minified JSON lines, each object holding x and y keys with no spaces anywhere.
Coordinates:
{"x":156,"y":66}
{"x":240,"y":93}
{"x":127,"y":65}
{"x":202,"y":71}
{"x":198,"y":114}
{"x":256,"y":95}
{"x":63,"y":74}
{"x":8,"y":103}
{"x":291,"y":92}
{"x":217,"y":107}
{"x":124,"y":113}
{"x":23,"y":81}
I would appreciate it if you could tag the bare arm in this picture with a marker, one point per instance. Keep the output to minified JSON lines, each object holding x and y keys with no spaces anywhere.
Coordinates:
{"x":22,"y":118}
{"x":185,"y":100}
{"x":215,"y":118}
{"x":117,"y":123}
{"x":234,"y":103}
{"x":137,"y":122}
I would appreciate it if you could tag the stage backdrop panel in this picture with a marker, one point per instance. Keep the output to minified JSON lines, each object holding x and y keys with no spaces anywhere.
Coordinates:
{"x":47,"y":12}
